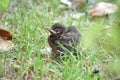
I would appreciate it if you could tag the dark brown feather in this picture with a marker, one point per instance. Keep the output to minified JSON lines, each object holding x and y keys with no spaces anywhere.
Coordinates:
{"x":65,"y":38}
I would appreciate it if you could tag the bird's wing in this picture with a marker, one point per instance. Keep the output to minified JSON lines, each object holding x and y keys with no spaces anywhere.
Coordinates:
{"x":70,"y":36}
{"x":66,"y":42}
{"x":67,"y":39}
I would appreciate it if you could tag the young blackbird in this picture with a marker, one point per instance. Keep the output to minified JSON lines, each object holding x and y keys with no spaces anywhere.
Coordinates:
{"x":63,"y":39}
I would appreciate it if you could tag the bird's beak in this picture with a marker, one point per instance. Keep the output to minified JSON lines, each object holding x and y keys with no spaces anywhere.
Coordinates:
{"x":51,"y":31}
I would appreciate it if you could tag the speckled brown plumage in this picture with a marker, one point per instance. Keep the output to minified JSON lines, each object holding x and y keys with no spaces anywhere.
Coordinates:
{"x":63,"y":39}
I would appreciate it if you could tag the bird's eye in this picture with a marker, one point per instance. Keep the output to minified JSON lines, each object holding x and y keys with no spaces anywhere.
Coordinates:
{"x":57,"y":31}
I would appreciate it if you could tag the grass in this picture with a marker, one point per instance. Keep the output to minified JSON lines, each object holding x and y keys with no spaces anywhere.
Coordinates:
{"x":27,"y":21}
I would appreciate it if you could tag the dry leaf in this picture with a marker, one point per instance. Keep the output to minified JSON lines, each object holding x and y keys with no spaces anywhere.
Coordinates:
{"x":78,"y":4}
{"x":5,"y":40}
{"x":5,"y":44}
{"x":101,"y":9}
{"x":4,"y":78}
{"x":78,"y":15}
{"x":67,"y":2}
{"x":73,"y":3}
{"x":5,"y":34}
{"x":117,"y":78}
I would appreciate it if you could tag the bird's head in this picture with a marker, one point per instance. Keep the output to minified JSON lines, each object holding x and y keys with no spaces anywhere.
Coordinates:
{"x":57,"y":29}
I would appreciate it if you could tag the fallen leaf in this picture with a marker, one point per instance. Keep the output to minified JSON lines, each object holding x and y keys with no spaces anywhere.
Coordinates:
{"x":5,"y":34}
{"x":78,"y":4}
{"x":5,"y":44}
{"x":5,"y":40}
{"x":78,"y":15}
{"x":117,"y":78}
{"x":4,"y":78}
{"x":101,"y":9}
{"x":67,"y":2}
{"x":73,"y":3}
